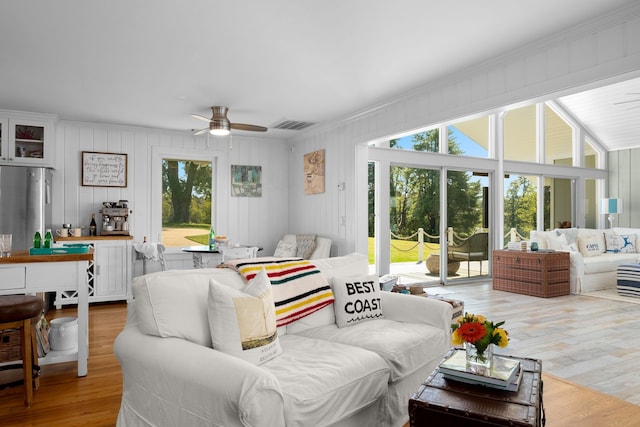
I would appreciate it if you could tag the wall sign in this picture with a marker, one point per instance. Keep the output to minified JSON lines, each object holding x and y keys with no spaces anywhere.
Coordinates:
{"x":104,"y":169}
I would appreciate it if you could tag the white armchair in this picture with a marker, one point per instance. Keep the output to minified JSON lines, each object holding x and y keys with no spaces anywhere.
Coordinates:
{"x":323,"y":246}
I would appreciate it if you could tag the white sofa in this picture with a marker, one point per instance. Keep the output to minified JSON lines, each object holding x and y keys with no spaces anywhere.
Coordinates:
{"x":594,"y":258}
{"x":359,"y":375}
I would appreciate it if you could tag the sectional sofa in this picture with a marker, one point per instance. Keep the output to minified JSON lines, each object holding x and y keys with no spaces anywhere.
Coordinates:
{"x":595,"y":254}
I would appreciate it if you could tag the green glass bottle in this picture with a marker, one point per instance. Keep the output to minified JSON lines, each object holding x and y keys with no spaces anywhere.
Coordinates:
{"x":48,"y":239}
{"x":212,"y":239}
{"x":37,"y":239}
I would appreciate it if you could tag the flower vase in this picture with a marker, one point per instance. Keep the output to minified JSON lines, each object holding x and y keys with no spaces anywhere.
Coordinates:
{"x":479,"y":362}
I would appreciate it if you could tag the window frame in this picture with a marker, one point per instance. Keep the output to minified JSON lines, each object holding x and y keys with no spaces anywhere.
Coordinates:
{"x":219,"y":186}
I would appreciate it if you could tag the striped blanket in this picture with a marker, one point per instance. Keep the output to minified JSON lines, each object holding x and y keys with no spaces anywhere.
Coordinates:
{"x":299,"y":288}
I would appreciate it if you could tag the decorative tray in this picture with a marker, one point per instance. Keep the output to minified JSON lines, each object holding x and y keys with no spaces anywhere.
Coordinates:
{"x":70,"y":248}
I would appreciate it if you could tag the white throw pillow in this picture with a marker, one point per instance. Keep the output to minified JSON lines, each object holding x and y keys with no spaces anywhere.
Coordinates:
{"x":357,"y":299}
{"x":623,"y":243}
{"x":628,"y":245}
{"x":557,"y":242}
{"x":285,"y":250}
{"x":589,"y":246}
{"x":243,"y":322}
{"x":571,"y":247}
{"x":306,"y":244}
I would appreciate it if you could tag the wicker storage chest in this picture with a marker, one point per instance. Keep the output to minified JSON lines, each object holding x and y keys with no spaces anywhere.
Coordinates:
{"x":441,"y":402}
{"x":540,"y":274}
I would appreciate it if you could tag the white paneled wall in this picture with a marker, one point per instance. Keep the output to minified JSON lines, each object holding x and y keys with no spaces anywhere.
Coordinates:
{"x":598,"y":52}
{"x":256,"y":220}
{"x":623,"y":183}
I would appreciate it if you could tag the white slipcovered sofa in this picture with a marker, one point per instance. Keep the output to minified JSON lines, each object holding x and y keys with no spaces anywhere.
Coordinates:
{"x":595,"y":254}
{"x":360,"y":375}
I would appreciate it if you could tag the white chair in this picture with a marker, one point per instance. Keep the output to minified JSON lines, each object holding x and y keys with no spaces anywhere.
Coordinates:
{"x":150,"y":251}
{"x":240,"y":252}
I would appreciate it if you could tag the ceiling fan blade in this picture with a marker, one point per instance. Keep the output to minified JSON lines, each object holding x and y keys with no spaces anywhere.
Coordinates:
{"x":252,"y":128}
{"x":201,"y":131}
{"x":627,"y":102}
{"x":199,"y":117}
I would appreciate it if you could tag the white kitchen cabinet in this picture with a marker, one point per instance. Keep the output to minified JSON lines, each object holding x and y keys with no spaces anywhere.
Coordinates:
{"x":109,"y":274}
{"x":26,"y":139}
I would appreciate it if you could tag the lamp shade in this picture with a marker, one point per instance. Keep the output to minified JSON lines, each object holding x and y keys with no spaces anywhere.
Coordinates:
{"x":611,"y":206}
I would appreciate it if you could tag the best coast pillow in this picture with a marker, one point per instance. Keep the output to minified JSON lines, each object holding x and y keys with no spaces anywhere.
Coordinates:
{"x":285,"y":250}
{"x":243,"y":322}
{"x":357,"y":299}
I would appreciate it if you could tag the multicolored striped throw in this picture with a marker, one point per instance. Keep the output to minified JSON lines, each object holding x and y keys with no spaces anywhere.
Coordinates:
{"x":299,"y":288}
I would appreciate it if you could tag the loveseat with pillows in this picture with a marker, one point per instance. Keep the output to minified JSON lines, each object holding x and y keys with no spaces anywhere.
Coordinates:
{"x":275,"y":342}
{"x":595,"y":254}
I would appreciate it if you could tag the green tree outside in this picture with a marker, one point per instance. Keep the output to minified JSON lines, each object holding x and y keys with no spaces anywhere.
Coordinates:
{"x":186,"y":193}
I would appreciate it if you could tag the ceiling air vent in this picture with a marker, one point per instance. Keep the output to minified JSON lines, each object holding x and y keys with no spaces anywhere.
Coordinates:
{"x":291,"y":125}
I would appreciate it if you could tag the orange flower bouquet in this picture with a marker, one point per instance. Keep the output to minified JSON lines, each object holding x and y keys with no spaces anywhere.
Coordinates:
{"x":477,"y":334}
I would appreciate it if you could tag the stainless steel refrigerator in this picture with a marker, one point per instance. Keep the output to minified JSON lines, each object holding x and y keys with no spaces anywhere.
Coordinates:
{"x":25,"y":203}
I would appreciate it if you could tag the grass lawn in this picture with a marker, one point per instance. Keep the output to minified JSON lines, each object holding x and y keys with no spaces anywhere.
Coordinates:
{"x":404,"y":250}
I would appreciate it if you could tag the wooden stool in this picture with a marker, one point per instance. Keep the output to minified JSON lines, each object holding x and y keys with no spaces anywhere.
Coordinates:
{"x":17,"y":312}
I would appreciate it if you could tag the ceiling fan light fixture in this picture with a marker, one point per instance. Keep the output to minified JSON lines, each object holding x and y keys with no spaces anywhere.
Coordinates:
{"x":219,"y":128}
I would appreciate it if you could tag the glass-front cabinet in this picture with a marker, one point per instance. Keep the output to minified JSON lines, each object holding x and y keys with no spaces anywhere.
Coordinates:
{"x":26,"y":139}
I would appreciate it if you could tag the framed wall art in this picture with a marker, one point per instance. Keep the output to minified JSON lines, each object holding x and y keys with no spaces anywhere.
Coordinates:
{"x":104,"y":169}
{"x":246,"y":181}
{"x":314,"y":172}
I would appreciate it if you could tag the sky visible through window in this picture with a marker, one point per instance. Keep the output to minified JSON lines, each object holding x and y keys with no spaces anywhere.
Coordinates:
{"x":468,"y":146}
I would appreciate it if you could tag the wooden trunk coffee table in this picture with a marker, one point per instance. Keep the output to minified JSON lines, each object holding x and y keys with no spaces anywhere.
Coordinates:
{"x":441,"y":402}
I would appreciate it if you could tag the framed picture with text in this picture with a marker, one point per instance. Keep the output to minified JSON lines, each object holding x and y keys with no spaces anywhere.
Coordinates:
{"x":104,"y":169}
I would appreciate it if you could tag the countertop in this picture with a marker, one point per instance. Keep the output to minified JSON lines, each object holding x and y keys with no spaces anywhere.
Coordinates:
{"x":19,"y":257}
{"x":85,"y":238}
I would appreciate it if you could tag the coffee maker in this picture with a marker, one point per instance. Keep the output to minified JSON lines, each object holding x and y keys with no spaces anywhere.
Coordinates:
{"x":115,"y":218}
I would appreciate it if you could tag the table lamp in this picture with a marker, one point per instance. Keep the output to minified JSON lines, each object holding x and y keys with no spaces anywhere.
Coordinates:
{"x":611,"y":207}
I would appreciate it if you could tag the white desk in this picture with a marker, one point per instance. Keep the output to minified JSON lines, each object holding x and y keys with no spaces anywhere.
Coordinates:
{"x":203,"y":257}
{"x":22,"y":273}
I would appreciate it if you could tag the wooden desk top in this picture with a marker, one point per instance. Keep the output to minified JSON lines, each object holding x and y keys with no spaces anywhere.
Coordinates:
{"x":85,"y":238}
{"x":20,"y":257}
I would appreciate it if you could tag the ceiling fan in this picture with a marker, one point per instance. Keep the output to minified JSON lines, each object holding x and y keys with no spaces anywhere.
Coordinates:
{"x":630,"y":101}
{"x":220,"y":125}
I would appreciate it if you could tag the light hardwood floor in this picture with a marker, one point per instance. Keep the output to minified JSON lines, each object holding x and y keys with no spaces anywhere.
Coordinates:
{"x":594,"y":342}
{"x":64,"y":399}
{"x":577,"y":326}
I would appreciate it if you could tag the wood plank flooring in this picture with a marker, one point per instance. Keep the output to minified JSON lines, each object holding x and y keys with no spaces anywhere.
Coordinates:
{"x":594,"y":342}
{"x":574,"y":324}
{"x":64,"y":399}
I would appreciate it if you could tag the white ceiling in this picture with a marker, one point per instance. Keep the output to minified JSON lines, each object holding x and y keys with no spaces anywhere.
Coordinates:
{"x":152,"y":63}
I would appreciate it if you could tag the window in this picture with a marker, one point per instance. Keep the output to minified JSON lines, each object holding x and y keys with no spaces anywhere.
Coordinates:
{"x":520,"y":134}
{"x":470,"y":138}
{"x":558,"y":137}
{"x":520,"y":205}
{"x":186,"y":201}
{"x":427,"y":141}
{"x":591,"y":156}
